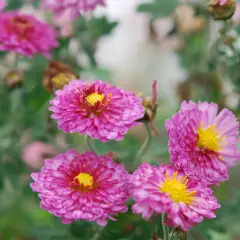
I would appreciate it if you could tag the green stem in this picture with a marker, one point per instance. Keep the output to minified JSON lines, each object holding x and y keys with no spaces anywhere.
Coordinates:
{"x":146,"y":143}
{"x":90,"y":145}
{"x":16,"y":61}
{"x":165,"y":229}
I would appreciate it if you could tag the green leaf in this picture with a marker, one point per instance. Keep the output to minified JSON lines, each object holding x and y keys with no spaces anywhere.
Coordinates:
{"x":158,"y":8}
{"x":14,"y":4}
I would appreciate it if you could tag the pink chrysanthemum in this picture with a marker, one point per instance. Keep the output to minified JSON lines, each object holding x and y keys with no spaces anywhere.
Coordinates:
{"x":73,"y":7}
{"x":202,"y":143}
{"x":2,"y":4}
{"x":76,"y":186}
{"x":26,"y":35}
{"x":162,"y":189}
{"x":97,"y":109}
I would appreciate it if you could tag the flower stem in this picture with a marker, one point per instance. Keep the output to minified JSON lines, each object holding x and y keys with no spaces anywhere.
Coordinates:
{"x":165,"y":229}
{"x":16,"y":61}
{"x":89,"y":143}
{"x":146,"y":143}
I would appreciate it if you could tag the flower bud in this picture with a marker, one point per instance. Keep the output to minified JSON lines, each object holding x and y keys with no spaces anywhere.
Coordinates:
{"x":57,"y":75}
{"x":115,"y":157}
{"x":150,"y":105}
{"x":178,"y":234}
{"x":222,"y":9}
{"x":155,"y":236}
{"x":13,"y":79}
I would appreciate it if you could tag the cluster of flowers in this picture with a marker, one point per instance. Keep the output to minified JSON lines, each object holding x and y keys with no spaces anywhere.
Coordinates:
{"x":73,"y":186}
{"x":202,"y":146}
{"x":26,"y":35}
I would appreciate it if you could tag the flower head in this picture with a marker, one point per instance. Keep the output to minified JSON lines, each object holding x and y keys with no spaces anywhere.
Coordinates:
{"x":97,"y":109}
{"x":203,"y":143}
{"x":164,"y":190}
{"x":35,"y":152}
{"x":25,"y":35}
{"x":2,"y":4}
{"x":72,"y":8}
{"x":76,"y":186}
{"x":57,"y":75}
{"x":222,"y":9}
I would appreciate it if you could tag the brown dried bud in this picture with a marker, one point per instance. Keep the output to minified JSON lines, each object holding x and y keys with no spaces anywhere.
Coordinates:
{"x":13,"y":79}
{"x":178,"y":234}
{"x":155,"y":236}
{"x":150,"y":105}
{"x":222,"y":9}
{"x":150,"y":109}
{"x":115,"y":157}
{"x":57,"y":75}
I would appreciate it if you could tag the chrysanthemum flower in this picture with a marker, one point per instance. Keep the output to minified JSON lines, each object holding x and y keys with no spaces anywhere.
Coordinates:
{"x":203,"y":143}
{"x":71,"y":7}
{"x":25,"y":35}
{"x":76,"y":186}
{"x":97,"y":109}
{"x":162,"y":189}
{"x":2,"y":4}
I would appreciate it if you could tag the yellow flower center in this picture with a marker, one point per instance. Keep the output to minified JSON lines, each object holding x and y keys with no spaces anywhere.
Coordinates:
{"x":176,"y":187}
{"x":85,"y":180}
{"x":62,"y":79}
{"x":94,"y":98}
{"x":209,"y":138}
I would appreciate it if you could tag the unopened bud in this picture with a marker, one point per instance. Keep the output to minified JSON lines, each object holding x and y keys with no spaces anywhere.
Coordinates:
{"x":155,"y":237}
{"x":13,"y":79}
{"x":222,"y":9}
{"x":178,"y":234}
{"x":115,"y":157}
{"x":150,"y":105}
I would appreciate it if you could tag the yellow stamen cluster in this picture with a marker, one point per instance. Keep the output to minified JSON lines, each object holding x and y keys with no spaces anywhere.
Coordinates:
{"x":176,"y":188}
{"x":95,"y":97}
{"x":208,"y":138}
{"x":62,"y":79}
{"x":85,"y":180}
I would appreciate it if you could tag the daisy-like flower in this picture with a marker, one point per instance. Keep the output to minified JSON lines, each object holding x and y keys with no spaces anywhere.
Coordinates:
{"x":72,"y":7}
{"x":158,"y":190}
{"x":25,"y":35}
{"x":76,"y":186}
{"x":97,"y":109}
{"x":202,"y":142}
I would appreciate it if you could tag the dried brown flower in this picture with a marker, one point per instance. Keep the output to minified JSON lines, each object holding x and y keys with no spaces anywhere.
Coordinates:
{"x":13,"y":79}
{"x":57,"y":75}
{"x":222,"y":10}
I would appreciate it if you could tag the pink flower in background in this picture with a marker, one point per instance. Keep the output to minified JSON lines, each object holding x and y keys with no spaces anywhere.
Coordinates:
{"x":202,"y":143}
{"x":2,"y":4}
{"x":97,"y":109}
{"x":223,"y":2}
{"x":35,"y":153}
{"x":72,"y":7}
{"x":162,"y":189}
{"x":25,"y":35}
{"x":236,"y":16}
{"x":76,"y":186}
